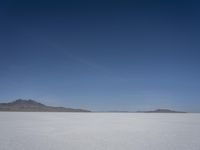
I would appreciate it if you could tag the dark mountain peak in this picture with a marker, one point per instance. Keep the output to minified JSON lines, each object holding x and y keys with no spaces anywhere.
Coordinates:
{"x":164,"y":110}
{"x":28,"y":102}
{"x":32,"y":105}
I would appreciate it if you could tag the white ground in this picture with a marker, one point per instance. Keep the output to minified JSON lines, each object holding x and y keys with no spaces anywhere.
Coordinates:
{"x":99,"y":131}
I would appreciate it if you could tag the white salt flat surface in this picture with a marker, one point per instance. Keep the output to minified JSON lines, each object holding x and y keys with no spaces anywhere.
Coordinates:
{"x":99,"y":131}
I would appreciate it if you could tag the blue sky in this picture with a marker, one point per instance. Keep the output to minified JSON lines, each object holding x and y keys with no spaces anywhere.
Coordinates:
{"x":101,"y":55}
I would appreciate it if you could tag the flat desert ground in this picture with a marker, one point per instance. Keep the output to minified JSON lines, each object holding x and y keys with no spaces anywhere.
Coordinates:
{"x":99,"y":131}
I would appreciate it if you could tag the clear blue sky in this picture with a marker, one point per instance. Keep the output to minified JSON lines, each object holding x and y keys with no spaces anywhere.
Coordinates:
{"x":101,"y":55}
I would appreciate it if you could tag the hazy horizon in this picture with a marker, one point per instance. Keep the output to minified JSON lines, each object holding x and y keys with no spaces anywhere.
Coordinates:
{"x":101,"y":55}
{"x":32,"y":101}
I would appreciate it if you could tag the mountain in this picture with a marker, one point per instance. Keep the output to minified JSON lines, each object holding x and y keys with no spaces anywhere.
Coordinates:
{"x":33,"y":106}
{"x":161,"y":111}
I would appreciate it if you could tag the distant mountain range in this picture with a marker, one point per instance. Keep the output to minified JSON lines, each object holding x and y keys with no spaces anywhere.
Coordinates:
{"x":33,"y":106}
{"x":152,"y":111}
{"x":161,"y":111}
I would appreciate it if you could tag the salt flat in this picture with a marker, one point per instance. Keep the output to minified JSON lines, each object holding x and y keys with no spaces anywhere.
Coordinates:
{"x":99,"y":131}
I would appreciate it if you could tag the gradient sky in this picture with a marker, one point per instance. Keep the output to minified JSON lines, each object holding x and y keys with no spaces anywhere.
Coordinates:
{"x":101,"y":55}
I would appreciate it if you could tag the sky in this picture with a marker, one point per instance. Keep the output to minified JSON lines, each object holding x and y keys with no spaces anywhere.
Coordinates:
{"x":101,"y":55}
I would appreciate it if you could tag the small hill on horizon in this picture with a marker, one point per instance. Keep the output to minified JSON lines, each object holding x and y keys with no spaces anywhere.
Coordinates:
{"x":161,"y":111}
{"x":34,"y":106}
